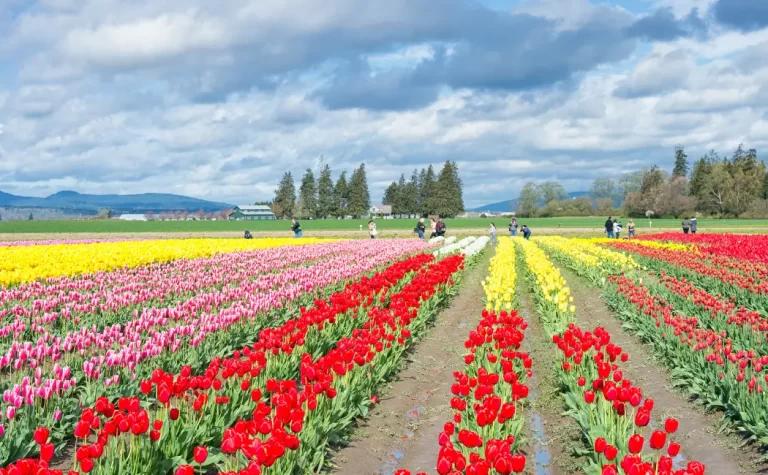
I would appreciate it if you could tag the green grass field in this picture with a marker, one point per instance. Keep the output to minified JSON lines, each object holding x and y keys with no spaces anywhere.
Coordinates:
{"x":116,"y":226}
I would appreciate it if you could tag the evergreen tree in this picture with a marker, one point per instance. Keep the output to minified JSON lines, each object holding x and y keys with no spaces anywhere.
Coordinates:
{"x":285,"y":197}
{"x":400,"y":206}
{"x":428,"y":200}
{"x":448,"y":192}
{"x":341,"y":196}
{"x":325,"y":198}
{"x":390,"y":195}
{"x":681,"y":162}
{"x":422,"y":194}
{"x":413,"y":197}
{"x":359,"y":201}
{"x":699,"y":176}
{"x":308,"y":195}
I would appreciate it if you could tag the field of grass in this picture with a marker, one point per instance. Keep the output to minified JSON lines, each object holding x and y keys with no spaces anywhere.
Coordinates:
{"x":117,"y":226}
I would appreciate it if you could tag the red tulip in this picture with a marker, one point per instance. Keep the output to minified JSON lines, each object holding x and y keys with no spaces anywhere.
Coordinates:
{"x":518,"y":463}
{"x":635,"y":444}
{"x":673,"y":449}
{"x":41,"y":435}
{"x":46,"y":451}
{"x":611,"y":452}
{"x":658,"y":440}
{"x":670,"y":425}
{"x":200,"y":454}
{"x":600,"y":445}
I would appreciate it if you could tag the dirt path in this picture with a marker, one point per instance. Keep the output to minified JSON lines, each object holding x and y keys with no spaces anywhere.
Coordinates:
{"x":402,"y":431}
{"x":548,"y":437}
{"x":697,"y":433}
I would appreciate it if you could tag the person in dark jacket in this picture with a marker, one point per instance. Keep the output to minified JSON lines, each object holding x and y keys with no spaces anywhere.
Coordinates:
{"x":441,"y":227}
{"x":421,"y":228}
{"x":526,"y":231}
{"x":693,"y":225}
{"x":296,"y":228}
{"x":248,"y":235}
{"x":609,"y":227}
{"x":513,"y":227}
{"x":686,"y":225}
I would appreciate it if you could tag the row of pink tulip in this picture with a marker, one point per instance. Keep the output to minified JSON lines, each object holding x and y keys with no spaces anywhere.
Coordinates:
{"x":104,"y":293}
{"x":174,"y":336}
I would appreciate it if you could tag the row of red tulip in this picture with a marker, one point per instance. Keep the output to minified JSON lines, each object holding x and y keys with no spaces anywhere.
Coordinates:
{"x":752,"y":247}
{"x":484,"y":435}
{"x":612,"y":412}
{"x":191,"y":409}
{"x":703,"y":361}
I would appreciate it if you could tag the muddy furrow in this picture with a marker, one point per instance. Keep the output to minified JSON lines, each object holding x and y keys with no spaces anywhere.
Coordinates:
{"x":401,"y":431}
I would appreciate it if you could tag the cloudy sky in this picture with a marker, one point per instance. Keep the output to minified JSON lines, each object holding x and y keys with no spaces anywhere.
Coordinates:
{"x":216,"y":99}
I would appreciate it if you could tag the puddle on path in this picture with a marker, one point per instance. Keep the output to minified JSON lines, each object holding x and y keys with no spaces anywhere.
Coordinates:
{"x":542,"y":459}
{"x":412,"y":418}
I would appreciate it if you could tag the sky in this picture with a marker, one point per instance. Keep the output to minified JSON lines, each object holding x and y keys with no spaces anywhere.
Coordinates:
{"x":218,"y":99}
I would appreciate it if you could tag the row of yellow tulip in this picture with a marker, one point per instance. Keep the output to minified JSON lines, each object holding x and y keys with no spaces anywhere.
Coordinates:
{"x":669,"y":246}
{"x":553,"y":297}
{"x":587,"y":258}
{"x":20,"y":264}
{"x":500,"y":286}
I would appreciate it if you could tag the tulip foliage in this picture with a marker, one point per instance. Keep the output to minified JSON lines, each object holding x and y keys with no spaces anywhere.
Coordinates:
{"x":488,"y":396}
{"x":284,"y":398}
{"x":610,"y":410}
{"x":217,"y":318}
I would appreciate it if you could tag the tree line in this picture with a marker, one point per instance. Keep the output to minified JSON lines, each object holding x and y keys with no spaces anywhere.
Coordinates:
{"x":322,"y":198}
{"x":427,"y":194}
{"x":715,"y":186}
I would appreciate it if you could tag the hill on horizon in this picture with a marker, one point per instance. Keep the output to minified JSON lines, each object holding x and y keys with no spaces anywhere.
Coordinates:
{"x":511,"y":205}
{"x":136,"y":203}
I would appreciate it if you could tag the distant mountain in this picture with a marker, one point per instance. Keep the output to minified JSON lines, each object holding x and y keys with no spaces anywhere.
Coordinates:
{"x":511,"y":205}
{"x":141,"y":203}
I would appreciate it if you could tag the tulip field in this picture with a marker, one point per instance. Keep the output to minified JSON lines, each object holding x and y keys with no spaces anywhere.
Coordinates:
{"x":265,"y":356}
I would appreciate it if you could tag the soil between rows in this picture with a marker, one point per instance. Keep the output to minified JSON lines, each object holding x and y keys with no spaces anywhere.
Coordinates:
{"x":697,"y":433}
{"x":401,"y":432}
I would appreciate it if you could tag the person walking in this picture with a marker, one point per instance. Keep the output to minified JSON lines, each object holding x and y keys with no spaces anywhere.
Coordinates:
{"x":493,"y":233}
{"x":686,"y":225}
{"x":372,"y":229}
{"x":513,"y":227}
{"x":630,"y":229}
{"x":526,"y":231}
{"x":441,"y":227}
{"x":433,"y":228}
{"x":420,"y":228}
{"x":693,"y":225}
{"x":296,"y":228}
{"x":617,"y":228}
{"x":609,"y":227}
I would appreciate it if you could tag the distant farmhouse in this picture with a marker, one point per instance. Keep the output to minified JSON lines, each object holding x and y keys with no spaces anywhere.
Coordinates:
{"x":251,"y":213}
{"x":133,"y":217}
{"x":380,"y":211}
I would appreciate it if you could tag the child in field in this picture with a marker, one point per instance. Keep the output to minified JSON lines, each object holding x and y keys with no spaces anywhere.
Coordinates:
{"x":526,"y":231}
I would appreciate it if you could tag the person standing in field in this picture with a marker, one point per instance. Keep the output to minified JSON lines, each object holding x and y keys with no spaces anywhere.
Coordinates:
{"x":686,"y":225}
{"x":693,"y":225}
{"x":372,"y":229}
{"x":433,"y":228}
{"x":296,"y":228}
{"x":630,"y":229}
{"x":526,"y":231}
{"x":441,"y":227}
{"x":421,"y":228}
{"x":609,"y":227}
{"x":513,"y":227}
{"x":493,"y":233}
{"x":617,"y":228}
